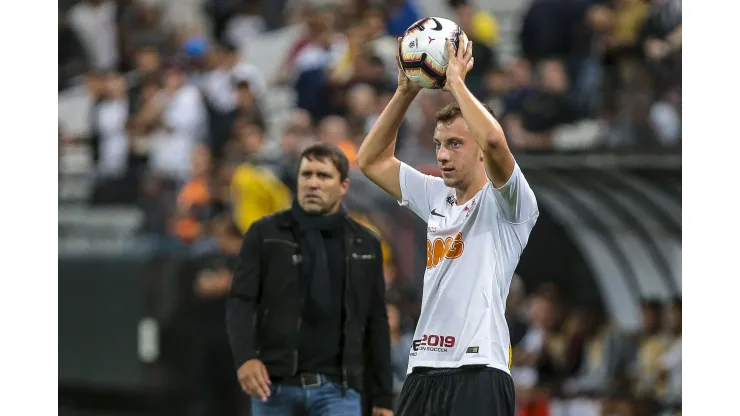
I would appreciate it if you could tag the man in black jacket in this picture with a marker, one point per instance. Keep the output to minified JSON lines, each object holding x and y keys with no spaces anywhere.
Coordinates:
{"x":306,"y":313}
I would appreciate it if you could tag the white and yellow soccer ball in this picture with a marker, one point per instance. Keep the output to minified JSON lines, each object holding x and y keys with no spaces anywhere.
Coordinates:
{"x":423,"y":50}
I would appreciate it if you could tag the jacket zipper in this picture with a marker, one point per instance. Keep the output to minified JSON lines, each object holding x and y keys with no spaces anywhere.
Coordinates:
{"x":303,"y":300}
{"x":256,"y":326}
{"x":348,"y":248}
{"x":280,"y":240}
{"x":295,"y":351}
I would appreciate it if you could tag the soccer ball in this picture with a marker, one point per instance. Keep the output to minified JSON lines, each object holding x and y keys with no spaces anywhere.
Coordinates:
{"x":423,"y":50}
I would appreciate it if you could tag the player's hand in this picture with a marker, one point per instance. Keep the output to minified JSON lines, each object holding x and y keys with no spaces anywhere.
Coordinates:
{"x":379,"y":411}
{"x":405,"y":85}
{"x":254,"y":379}
{"x":459,"y":64}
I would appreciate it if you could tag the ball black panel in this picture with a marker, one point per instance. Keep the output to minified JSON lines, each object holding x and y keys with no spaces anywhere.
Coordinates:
{"x":439,"y":79}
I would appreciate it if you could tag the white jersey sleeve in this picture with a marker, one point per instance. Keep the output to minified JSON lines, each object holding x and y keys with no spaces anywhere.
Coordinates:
{"x":517,"y":212}
{"x":515,"y":200}
{"x":418,"y":189}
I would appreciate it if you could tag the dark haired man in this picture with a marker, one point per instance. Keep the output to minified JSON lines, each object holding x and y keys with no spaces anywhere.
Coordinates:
{"x":307,"y":306}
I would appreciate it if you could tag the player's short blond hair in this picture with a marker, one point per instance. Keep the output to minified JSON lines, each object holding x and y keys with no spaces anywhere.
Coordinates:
{"x":452,"y":112}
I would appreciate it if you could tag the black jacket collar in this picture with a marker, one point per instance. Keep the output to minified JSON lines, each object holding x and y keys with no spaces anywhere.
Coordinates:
{"x":286,"y":219}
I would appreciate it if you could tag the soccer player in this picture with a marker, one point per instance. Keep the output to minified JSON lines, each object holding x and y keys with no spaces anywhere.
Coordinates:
{"x":479,"y":216}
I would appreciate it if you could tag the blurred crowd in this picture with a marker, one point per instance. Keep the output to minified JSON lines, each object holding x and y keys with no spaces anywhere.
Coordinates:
{"x":570,"y":360}
{"x":181,"y":125}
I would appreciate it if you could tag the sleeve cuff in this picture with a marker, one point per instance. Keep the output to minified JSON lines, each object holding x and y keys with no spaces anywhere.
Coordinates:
{"x":243,"y":358}
{"x":384,"y":401}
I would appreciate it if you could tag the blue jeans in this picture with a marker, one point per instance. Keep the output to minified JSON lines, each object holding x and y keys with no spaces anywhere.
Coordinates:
{"x":324,"y":400}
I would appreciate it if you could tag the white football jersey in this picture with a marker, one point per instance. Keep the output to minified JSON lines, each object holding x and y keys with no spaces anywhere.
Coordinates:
{"x":472,"y":252}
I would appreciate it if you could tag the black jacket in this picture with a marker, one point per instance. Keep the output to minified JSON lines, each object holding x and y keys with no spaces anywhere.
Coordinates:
{"x":265,"y":305}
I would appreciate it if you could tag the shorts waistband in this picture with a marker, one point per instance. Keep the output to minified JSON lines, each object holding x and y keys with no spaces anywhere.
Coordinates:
{"x":435,"y":371}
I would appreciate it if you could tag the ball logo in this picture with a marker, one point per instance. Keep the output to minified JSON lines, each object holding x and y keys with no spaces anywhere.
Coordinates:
{"x":449,"y":248}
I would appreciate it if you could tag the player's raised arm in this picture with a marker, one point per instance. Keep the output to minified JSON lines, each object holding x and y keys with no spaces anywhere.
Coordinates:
{"x":485,"y":129}
{"x":376,"y":156}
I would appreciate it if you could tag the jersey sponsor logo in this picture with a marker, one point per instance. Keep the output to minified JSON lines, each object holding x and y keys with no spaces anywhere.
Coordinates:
{"x":451,"y":200}
{"x":448,"y":248}
{"x":433,"y":343}
{"x":472,"y":350}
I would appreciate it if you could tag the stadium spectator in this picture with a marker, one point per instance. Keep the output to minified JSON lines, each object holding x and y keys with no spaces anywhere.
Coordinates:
{"x":546,"y":30}
{"x":380,"y":43}
{"x":361,"y":100}
{"x":118,"y":164}
{"x":111,"y":123}
{"x":335,"y":131}
{"x":223,"y":122}
{"x":170,"y":153}
{"x":94,"y":22}
{"x":244,"y":25}
{"x":217,"y":389}
{"x":670,"y":363}
{"x":301,"y":120}
{"x":73,"y":60}
{"x":194,"y":199}
{"x":401,"y":15}
{"x":401,"y":342}
{"x":220,"y":12}
{"x":652,"y":344}
{"x":357,"y":64}
{"x":291,"y":147}
{"x":147,"y":67}
{"x":140,"y":25}
{"x":298,"y":133}
{"x":515,"y":311}
{"x":185,"y":114}
{"x":603,"y":366}
{"x":542,"y":109}
{"x":156,"y":200}
{"x":251,"y":136}
{"x":665,"y":117}
{"x":312,"y":60}
{"x":482,"y":28}
{"x":538,"y":356}
{"x":256,"y":192}
{"x":316,"y":21}
{"x":661,"y":41}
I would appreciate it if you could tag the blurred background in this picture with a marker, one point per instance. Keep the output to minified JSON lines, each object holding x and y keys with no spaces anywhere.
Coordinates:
{"x":180,"y":124}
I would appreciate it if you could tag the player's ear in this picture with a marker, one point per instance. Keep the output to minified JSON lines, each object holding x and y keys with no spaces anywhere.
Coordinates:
{"x":480,"y":154}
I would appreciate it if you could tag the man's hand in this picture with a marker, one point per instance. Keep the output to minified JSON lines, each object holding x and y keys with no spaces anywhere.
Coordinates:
{"x":405,"y":85}
{"x":459,"y":64}
{"x":379,"y":411}
{"x":254,"y":379}
{"x":213,"y":284}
